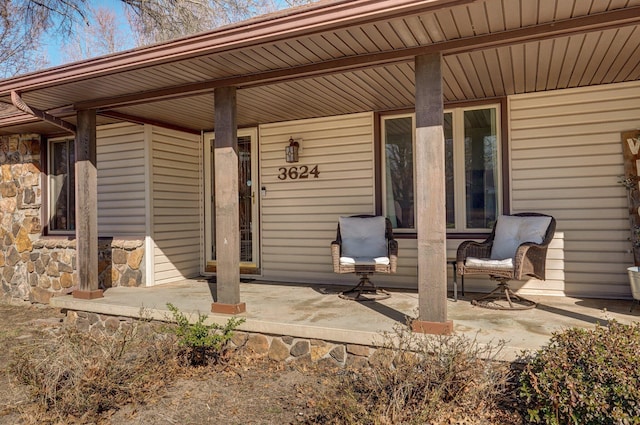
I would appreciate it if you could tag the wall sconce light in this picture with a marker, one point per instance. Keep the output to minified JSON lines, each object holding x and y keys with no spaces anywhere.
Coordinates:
{"x":291,"y":151}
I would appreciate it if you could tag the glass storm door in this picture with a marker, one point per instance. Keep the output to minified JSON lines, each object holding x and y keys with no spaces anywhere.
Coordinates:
{"x":247,"y":200}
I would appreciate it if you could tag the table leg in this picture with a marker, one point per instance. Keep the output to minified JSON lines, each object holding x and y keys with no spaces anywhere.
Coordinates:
{"x":455,"y":282}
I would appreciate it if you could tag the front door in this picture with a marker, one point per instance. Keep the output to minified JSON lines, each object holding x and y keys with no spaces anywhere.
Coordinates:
{"x":247,"y":201}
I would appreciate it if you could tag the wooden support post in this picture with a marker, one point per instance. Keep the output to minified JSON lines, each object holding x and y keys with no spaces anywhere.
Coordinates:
{"x":430,"y":198}
{"x":226,"y":198}
{"x":86,"y":191}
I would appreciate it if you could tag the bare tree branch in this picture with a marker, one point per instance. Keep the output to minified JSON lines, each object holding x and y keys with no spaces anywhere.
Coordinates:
{"x":102,"y":37}
{"x":24,"y":24}
{"x":19,"y":44}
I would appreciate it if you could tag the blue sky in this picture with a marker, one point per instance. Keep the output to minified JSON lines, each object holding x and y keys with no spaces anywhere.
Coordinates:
{"x":53,"y":48}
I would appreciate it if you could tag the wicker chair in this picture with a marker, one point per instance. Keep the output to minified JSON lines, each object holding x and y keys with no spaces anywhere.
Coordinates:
{"x":364,"y":245}
{"x":517,"y":247}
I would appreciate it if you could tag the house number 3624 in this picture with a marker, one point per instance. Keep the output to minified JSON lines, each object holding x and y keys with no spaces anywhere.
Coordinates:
{"x":301,"y":172}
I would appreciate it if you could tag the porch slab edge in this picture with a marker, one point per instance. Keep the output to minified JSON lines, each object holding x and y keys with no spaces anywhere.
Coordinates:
{"x":250,"y":325}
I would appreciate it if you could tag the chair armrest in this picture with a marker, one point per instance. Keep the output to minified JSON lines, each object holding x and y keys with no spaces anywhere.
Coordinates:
{"x":393,"y":255}
{"x":393,"y":247}
{"x":530,"y":260}
{"x":335,"y":256}
{"x":471,"y":249}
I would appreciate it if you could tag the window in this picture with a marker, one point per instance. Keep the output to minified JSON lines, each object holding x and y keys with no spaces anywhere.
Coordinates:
{"x":472,"y":169}
{"x":61,"y":186}
{"x":398,"y":177}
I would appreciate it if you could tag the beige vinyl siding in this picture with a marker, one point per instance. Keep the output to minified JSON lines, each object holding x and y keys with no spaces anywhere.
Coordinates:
{"x":121,"y":185}
{"x":566,"y":157}
{"x":299,"y":217}
{"x":176,"y":204}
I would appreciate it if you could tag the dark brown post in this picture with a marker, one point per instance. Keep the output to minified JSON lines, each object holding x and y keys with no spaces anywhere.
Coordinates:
{"x":86,"y":191}
{"x":226,"y":196}
{"x":430,"y":198}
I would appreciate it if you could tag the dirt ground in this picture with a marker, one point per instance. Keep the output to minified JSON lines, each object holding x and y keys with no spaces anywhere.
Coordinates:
{"x":250,"y":392}
{"x":244,"y":391}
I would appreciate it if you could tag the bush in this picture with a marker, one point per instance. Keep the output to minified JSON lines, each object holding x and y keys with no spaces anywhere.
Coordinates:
{"x":203,"y":343}
{"x":79,"y":375}
{"x":420,"y":379}
{"x":586,"y":377}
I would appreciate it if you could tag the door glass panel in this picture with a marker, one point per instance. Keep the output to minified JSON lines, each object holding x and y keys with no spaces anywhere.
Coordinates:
{"x":245,"y":200}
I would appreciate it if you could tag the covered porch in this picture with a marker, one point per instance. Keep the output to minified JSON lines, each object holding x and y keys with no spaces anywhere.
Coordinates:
{"x":315,"y":312}
{"x":543,"y":68}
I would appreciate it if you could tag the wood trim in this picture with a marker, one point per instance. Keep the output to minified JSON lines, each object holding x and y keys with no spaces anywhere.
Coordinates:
{"x":377,"y":164}
{"x":44,"y":185}
{"x":88,"y":294}
{"x":223,"y":308}
{"x":139,"y":120}
{"x":433,"y":328}
{"x":504,"y":149}
{"x":212,"y":268}
{"x":86,"y":187}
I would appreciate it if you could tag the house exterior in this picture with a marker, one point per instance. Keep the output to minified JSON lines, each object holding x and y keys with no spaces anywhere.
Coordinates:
{"x":438,"y":114}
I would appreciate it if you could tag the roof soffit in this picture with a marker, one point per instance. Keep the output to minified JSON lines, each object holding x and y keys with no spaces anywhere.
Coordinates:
{"x":508,"y":37}
{"x":473,"y":36}
{"x":264,"y":30}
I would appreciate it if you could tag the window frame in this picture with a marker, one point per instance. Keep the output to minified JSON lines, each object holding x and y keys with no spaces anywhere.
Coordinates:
{"x":49,"y":211}
{"x":503,"y":171}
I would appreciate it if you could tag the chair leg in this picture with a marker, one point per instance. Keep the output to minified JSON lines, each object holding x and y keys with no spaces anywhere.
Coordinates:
{"x":365,"y":290}
{"x":496,"y":299}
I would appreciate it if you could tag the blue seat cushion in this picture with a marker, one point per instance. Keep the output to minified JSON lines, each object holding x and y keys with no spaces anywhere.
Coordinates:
{"x":363,"y":237}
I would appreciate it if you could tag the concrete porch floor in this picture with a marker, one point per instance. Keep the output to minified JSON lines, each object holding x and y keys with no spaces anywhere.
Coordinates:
{"x":316,"y":312}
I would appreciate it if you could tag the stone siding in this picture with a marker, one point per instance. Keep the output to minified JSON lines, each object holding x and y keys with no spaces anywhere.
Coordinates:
{"x":278,"y":348}
{"x":35,"y":267}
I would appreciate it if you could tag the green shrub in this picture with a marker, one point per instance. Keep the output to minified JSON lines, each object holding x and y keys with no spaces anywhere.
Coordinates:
{"x":202,"y":342}
{"x":586,"y":377}
{"x":420,"y":379}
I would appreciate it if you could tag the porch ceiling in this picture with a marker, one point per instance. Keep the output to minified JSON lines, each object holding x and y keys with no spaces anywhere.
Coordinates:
{"x":339,"y":57}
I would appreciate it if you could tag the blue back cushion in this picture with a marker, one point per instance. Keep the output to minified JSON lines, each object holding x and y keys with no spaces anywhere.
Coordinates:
{"x":363,"y":237}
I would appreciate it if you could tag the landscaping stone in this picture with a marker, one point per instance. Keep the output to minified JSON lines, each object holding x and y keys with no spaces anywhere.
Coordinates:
{"x":258,"y":344}
{"x":279,"y":351}
{"x":358,"y":350}
{"x":319,"y":349}
{"x":339,"y":353}
{"x":300,"y":348}
{"x":357,"y":362}
{"x":287,"y":340}
{"x":239,"y":339}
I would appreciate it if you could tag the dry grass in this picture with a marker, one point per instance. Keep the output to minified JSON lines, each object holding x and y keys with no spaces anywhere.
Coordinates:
{"x":419,"y":379}
{"x":140,"y":374}
{"x":79,"y":377}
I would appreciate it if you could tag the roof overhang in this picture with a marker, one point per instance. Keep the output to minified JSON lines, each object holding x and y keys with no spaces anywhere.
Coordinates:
{"x":336,"y":57}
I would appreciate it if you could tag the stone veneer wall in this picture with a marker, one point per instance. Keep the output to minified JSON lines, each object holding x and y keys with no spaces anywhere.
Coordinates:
{"x":35,"y":267}
{"x":277,"y":348}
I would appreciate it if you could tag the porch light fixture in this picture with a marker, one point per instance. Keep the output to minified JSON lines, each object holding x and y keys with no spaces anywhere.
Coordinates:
{"x":291,"y":151}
